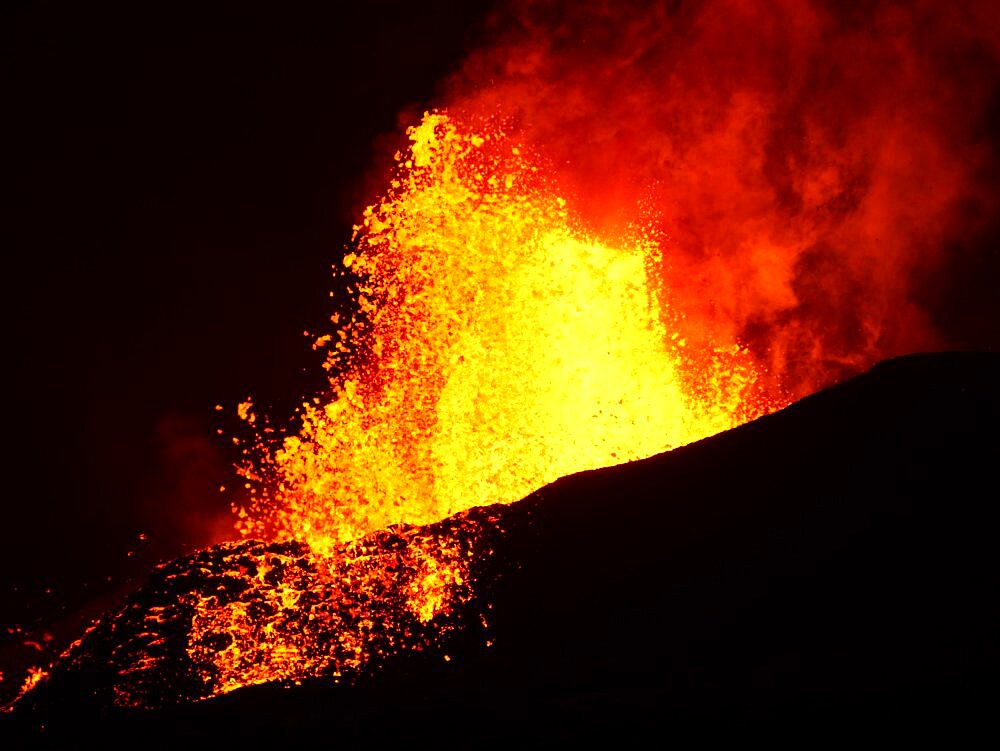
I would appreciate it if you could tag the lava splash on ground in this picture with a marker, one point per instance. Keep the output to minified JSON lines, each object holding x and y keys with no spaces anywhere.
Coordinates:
{"x":243,"y":613}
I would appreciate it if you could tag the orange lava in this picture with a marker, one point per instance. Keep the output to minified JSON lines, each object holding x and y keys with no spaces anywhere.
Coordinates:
{"x":498,"y":346}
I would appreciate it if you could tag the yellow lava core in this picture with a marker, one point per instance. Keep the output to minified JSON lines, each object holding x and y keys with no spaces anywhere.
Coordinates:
{"x":497,"y":347}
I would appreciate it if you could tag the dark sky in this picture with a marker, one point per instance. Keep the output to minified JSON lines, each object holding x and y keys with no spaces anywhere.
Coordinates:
{"x":178,"y":182}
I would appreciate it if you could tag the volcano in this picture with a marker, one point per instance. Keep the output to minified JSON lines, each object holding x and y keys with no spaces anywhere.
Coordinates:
{"x":821,"y":568}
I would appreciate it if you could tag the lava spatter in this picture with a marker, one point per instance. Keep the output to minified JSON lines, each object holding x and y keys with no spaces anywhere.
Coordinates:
{"x":497,"y":346}
{"x":244,"y":613}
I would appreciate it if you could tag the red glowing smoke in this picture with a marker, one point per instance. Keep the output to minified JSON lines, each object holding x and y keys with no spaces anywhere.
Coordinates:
{"x":821,"y":176}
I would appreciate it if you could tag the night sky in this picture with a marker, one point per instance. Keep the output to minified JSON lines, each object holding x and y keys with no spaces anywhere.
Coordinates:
{"x":179,"y":181}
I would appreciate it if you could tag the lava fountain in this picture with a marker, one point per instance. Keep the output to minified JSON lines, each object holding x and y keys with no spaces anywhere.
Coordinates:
{"x":497,"y":347}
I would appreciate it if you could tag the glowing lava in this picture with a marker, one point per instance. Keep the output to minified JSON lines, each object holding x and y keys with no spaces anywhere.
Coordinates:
{"x":502,"y":347}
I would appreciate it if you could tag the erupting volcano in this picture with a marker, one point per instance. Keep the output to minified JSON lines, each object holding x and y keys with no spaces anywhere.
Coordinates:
{"x":617,"y":232}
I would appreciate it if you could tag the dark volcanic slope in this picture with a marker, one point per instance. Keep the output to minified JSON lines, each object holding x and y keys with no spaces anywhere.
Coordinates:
{"x":822,"y":568}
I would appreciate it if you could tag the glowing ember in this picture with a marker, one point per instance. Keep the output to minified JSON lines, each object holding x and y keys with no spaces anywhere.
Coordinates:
{"x":503,"y":348}
{"x":35,"y":676}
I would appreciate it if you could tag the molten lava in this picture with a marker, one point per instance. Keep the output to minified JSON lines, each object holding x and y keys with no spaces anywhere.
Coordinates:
{"x":504,"y":347}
